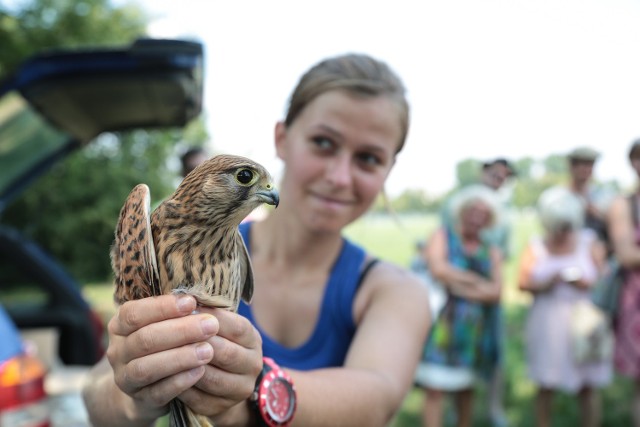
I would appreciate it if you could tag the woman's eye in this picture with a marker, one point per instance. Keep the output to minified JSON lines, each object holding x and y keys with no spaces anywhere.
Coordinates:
{"x":245,"y":176}
{"x":370,"y":159}
{"x":322,"y":142}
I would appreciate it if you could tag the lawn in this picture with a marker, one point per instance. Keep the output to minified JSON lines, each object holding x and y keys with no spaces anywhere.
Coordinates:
{"x":394,"y":239}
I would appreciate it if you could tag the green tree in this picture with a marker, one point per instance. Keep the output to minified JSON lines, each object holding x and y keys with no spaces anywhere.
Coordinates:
{"x":72,"y":210}
{"x":524,"y":167}
{"x":467,"y":171}
{"x":412,"y":200}
{"x":34,"y":25}
{"x":555,"y":164}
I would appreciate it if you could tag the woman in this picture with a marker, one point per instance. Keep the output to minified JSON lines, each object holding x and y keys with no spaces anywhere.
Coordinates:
{"x":559,"y":270}
{"x":462,"y":346}
{"x":624,"y":232}
{"x":346,"y":122}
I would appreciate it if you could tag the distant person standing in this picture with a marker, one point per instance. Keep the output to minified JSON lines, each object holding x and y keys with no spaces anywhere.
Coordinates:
{"x":495,"y":174}
{"x":192,"y":158}
{"x":581,"y":163}
{"x":624,"y":228}
{"x":462,"y":345}
{"x":559,"y":270}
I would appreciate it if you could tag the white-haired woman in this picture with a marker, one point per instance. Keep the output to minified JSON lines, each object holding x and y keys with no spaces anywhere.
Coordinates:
{"x":559,"y":269}
{"x":463,"y":343}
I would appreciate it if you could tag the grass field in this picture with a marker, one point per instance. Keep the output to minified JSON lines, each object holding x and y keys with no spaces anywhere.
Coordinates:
{"x":394,"y":240}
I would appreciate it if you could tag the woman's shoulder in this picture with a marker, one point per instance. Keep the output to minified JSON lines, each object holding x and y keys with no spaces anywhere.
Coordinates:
{"x":389,"y":286}
{"x":389,"y":278}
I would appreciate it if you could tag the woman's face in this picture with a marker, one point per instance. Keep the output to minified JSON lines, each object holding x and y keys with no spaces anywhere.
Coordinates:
{"x":337,"y":154}
{"x":474,"y":217}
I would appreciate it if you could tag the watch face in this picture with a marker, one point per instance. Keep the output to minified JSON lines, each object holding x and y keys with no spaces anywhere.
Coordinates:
{"x":280,"y":401}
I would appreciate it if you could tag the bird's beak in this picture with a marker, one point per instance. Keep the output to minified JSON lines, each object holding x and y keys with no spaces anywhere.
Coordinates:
{"x":269,"y":196}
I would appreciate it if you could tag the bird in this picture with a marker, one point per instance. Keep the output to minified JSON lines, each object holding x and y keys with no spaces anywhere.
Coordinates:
{"x":191,"y":243}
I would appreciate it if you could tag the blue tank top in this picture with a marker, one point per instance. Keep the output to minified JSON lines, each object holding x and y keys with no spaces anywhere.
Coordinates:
{"x":330,"y":340}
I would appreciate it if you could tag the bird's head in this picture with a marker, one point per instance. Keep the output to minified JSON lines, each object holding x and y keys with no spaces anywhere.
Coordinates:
{"x":227,"y":188}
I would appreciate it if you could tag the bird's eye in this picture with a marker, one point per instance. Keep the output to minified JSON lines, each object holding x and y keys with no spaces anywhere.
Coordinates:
{"x":246,"y":176}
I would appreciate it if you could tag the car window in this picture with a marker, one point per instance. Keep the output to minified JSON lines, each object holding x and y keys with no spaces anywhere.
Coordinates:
{"x":25,"y":138}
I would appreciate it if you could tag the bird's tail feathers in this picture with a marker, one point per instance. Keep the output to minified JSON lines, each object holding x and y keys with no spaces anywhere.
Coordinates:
{"x":205,"y":299}
{"x":181,"y":416}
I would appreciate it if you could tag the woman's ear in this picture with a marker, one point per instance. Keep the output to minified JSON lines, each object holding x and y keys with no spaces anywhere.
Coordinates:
{"x":280,"y":136}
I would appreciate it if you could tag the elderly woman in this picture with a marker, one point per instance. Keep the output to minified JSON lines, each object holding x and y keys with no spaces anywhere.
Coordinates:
{"x":559,"y":271}
{"x":462,"y":345}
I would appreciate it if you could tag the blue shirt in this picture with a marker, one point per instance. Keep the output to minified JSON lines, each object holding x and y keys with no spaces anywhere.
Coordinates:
{"x":332,"y":335}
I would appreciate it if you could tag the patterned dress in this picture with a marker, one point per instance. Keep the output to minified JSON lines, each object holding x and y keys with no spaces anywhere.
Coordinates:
{"x":627,"y":344}
{"x":464,"y":337}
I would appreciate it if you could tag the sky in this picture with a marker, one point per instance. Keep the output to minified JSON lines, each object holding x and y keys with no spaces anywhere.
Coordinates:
{"x":484,"y":78}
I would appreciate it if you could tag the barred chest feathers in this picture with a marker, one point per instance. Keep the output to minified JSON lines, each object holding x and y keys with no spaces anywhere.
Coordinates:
{"x":203,"y":262}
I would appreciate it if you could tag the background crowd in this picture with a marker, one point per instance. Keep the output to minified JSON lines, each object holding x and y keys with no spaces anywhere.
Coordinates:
{"x":580,"y":272}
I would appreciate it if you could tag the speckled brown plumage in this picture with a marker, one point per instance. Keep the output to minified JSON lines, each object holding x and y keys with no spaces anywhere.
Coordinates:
{"x":191,"y":243}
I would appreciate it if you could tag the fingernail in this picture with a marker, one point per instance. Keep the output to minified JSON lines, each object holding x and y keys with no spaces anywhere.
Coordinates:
{"x":197,"y":372}
{"x":204,"y":351}
{"x":186,"y":304}
{"x":209,"y":325}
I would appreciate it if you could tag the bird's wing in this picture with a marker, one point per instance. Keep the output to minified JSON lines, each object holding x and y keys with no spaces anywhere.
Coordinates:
{"x":133,"y":255}
{"x":245,"y":263}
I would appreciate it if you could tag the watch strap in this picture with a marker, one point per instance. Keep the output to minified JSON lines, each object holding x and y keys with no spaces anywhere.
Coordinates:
{"x":255,"y":400}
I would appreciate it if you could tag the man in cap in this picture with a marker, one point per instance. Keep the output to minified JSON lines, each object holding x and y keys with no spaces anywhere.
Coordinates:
{"x":581,"y":162}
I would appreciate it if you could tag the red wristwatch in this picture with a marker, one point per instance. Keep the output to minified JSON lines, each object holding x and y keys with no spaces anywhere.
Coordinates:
{"x":274,"y":398}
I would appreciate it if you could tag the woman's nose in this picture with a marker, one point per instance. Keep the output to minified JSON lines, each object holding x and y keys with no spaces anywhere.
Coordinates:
{"x":339,"y":171}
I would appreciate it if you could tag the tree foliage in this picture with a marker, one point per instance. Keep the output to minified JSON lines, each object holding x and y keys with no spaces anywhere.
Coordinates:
{"x":31,"y":26}
{"x":467,"y":172}
{"x":72,"y":210}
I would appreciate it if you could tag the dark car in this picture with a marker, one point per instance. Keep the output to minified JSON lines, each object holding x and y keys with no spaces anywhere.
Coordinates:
{"x":58,"y":102}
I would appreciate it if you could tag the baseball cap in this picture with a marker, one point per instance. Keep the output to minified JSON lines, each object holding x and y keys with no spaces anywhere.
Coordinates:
{"x":584,"y":153}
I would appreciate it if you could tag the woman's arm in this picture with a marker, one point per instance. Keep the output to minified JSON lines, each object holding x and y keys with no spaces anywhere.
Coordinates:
{"x":598,"y":253}
{"x":158,"y":351}
{"x":459,"y":282}
{"x":526,"y":282}
{"x":392,"y":316}
{"x":622,"y":233}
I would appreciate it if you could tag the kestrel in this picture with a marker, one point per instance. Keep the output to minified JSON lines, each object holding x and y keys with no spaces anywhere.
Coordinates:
{"x":191,"y":243}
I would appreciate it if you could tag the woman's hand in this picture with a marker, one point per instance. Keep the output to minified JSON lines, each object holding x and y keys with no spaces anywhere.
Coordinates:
{"x":160,"y":349}
{"x":157,"y":350}
{"x":230,"y":377}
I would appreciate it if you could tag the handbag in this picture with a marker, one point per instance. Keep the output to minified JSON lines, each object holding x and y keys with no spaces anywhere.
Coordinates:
{"x":606,"y":292}
{"x":591,"y":336}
